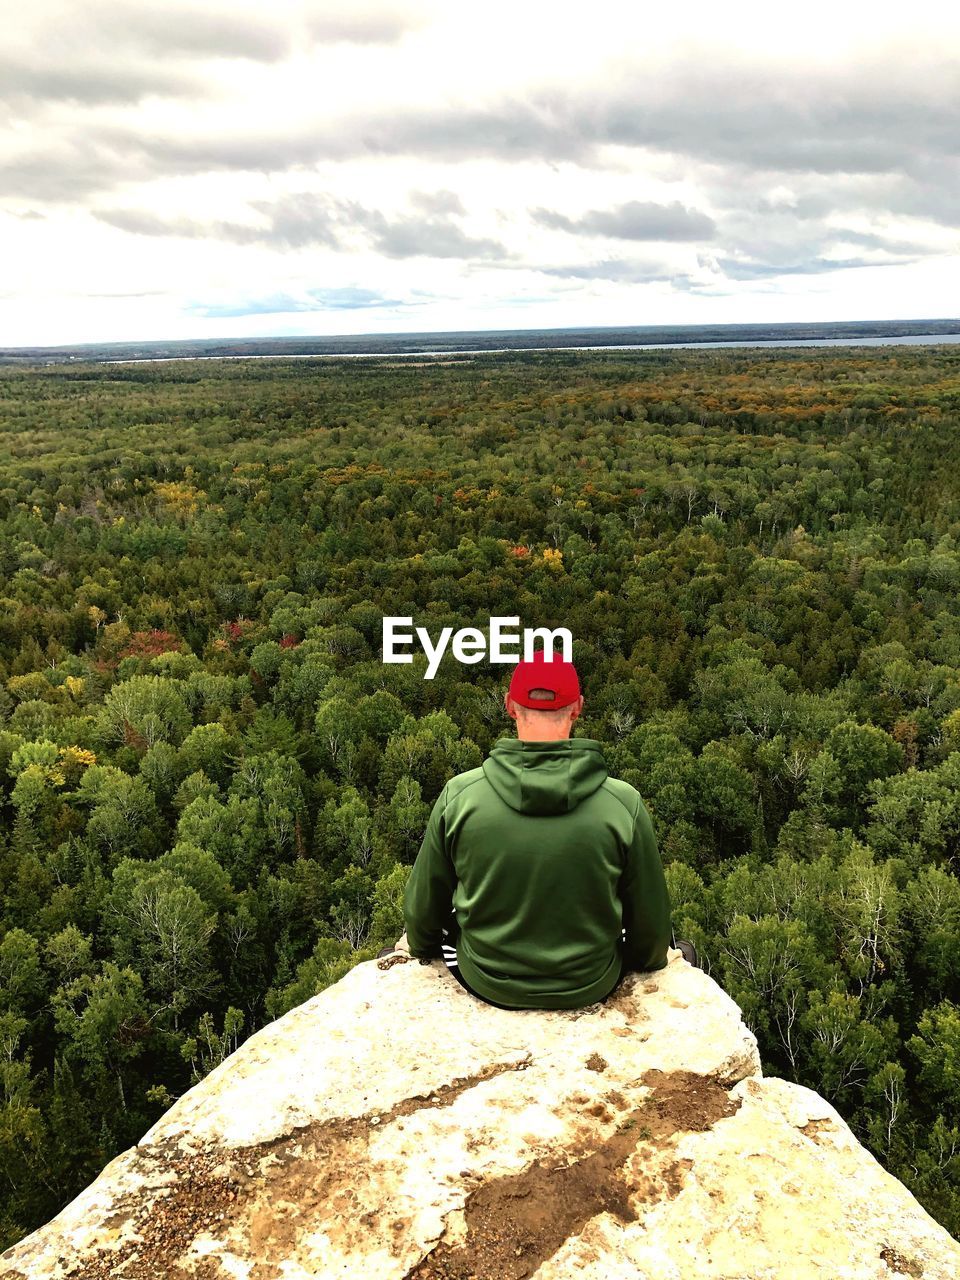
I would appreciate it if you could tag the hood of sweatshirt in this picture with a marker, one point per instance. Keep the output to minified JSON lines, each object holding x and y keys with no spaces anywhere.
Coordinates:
{"x":545,"y":777}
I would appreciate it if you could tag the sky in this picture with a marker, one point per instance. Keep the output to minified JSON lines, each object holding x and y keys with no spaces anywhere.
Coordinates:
{"x":178,"y":169}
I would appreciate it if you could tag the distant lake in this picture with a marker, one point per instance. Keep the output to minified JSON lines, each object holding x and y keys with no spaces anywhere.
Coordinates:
{"x":910,"y":339}
{"x":431,"y":345}
{"x":904,"y":340}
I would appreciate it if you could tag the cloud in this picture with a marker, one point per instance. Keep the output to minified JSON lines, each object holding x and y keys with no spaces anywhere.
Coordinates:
{"x":622,"y":270}
{"x":636,"y":220}
{"x":778,"y":245}
{"x":121,"y":53}
{"x":890,"y":125}
{"x":142,"y":222}
{"x":339,"y":299}
{"x":106,"y":153}
{"x":427,"y":237}
{"x":66,"y":172}
{"x":354,"y":25}
{"x":181,"y":30}
{"x":295,"y":221}
{"x":300,"y":219}
{"x":910,"y":249}
{"x":114,"y":52}
{"x":129,"y":293}
{"x":189,"y":121}
{"x":303,"y":219}
{"x":90,"y":82}
{"x":875,"y":117}
{"x":437,"y":201}
{"x":738,"y":269}
{"x":807,"y":260}
{"x":351,"y":299}
{"x":882,"y":119}
{"x":762,"y":251}
{"x":933,"y":195}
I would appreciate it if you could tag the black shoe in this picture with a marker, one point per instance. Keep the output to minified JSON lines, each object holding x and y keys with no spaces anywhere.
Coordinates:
{"x":688,"y":951}
{"x":384,"y":951}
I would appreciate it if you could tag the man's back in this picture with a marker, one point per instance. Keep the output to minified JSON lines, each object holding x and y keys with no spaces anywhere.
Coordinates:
{"x":544,"y":858}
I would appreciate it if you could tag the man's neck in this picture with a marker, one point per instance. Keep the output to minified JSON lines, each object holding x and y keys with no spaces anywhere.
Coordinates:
{"x":542,"y":735}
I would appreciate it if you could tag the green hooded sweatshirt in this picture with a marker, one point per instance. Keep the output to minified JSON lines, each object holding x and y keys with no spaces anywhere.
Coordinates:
{"x":552,"y":869}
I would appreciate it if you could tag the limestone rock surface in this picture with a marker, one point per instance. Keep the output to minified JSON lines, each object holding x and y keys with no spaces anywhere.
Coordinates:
{"x":394,"y":1128}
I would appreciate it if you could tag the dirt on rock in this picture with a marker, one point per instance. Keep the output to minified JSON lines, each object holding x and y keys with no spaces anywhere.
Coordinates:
{"x":258,"y":1201}
{"x":514,"y":1223}
{"x":813,"y":1128}
{"x":900,"y":1265}
{"x":267,"y":1192}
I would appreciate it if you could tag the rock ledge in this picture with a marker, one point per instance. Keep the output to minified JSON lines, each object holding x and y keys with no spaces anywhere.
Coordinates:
{"x":395,"y":1128}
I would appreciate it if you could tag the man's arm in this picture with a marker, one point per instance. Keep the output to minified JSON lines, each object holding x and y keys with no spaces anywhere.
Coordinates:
{"x":428,"y":897}
{"x":646,"y":904}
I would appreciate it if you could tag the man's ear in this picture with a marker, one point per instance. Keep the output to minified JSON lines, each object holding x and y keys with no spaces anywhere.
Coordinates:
{"x":510,"y":705}
{"x":577,"y":708}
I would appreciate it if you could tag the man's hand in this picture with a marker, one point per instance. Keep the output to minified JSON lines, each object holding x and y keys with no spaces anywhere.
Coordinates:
{"x":399,"y":955}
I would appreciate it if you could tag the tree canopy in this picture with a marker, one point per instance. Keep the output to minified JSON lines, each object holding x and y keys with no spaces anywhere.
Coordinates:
{"x":212,"y":788}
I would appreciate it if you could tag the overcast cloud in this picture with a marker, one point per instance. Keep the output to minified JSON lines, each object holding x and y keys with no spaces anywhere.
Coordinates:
{"x":199,"y":168}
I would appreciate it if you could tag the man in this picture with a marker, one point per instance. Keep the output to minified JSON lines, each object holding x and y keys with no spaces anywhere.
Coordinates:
{"x":549,"y":866}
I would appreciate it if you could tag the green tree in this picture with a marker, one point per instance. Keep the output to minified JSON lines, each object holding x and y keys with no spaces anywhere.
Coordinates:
{"x":164,"y":926}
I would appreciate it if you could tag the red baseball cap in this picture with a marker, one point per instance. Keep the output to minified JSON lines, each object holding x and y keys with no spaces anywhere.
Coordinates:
{"x":557,"y":677}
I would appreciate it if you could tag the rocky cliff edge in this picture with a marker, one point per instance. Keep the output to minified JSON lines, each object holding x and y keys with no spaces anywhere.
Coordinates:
{"x":394,"y":1128}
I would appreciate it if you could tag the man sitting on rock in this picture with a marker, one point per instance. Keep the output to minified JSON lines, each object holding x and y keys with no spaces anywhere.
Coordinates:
{"x":538,"y":870}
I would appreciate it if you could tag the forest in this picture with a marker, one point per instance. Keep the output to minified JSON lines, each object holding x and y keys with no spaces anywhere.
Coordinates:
{"x":212,"y":788}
